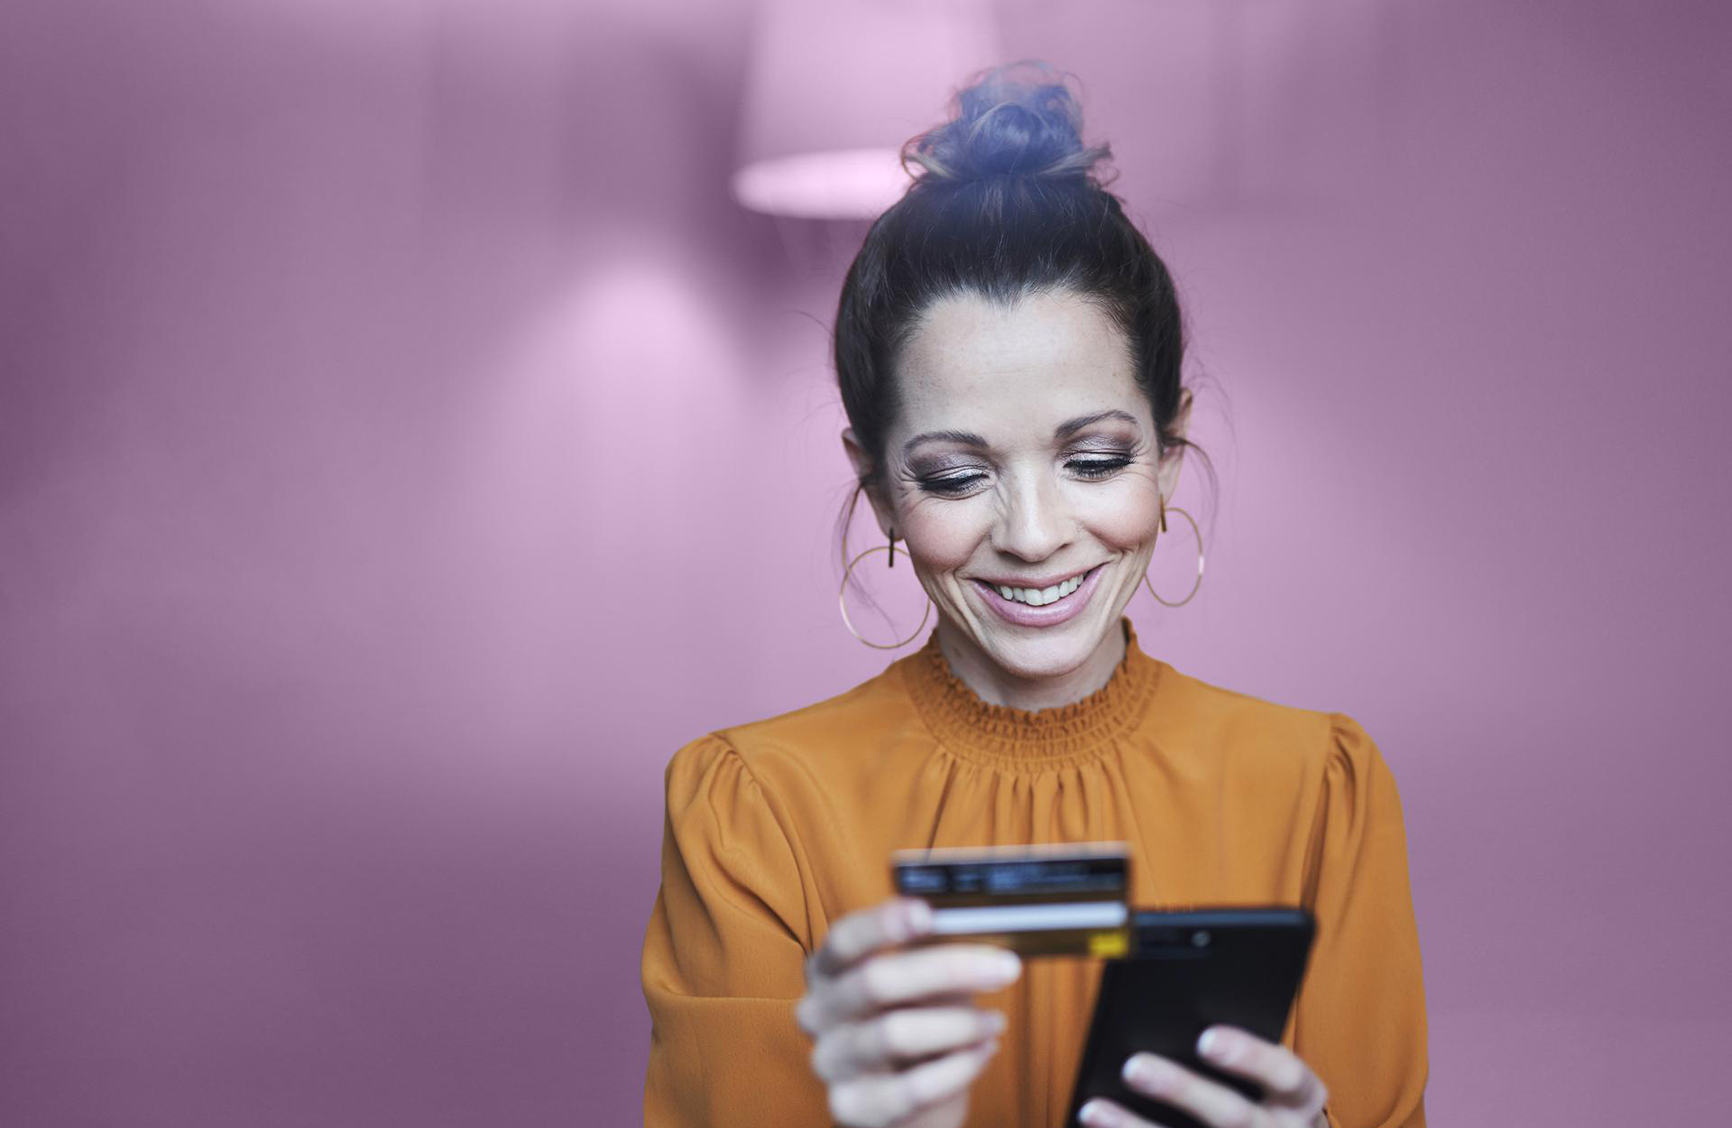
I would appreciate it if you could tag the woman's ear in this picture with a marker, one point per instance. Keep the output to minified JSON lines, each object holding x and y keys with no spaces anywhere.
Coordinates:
{"x":862,"y":463}
{"x":1172,"y":460}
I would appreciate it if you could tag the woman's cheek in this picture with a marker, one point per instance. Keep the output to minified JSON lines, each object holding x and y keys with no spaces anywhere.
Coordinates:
{"x":1126,"y":519}
{"x":943,"y":539}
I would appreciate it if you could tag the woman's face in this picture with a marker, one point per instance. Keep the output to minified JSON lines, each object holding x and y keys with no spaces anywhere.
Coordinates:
{"x":1024,"y":475}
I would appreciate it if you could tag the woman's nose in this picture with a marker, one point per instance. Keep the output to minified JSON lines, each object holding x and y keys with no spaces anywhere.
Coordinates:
{"x":1034,"y":523}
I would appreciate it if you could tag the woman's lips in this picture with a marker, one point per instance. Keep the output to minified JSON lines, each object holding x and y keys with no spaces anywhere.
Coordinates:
{"x":1046,"y":615}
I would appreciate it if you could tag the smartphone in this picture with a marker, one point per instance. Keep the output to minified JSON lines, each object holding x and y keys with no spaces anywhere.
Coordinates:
{"x":1186,"y":972}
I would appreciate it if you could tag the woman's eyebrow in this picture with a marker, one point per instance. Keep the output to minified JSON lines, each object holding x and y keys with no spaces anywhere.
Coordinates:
{"x":966,"y":438}
{"x":969,"y":438}
{"x":1082,"y":421}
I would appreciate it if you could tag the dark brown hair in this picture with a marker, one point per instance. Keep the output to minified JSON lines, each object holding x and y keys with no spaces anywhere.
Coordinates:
{"x":1007,"y":205}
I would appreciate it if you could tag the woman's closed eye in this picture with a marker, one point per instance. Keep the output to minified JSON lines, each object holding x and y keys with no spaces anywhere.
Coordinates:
{"x":955,"y":485}
{"x":950,"y":485}
{"x":1097,"y":467}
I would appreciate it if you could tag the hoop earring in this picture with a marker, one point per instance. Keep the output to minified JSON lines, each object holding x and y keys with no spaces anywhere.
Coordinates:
{"x":842,"y":598}
{"x":1198,"y":533}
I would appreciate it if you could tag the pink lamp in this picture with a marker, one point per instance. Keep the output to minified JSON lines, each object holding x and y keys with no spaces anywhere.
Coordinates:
{"x":834,"y":88}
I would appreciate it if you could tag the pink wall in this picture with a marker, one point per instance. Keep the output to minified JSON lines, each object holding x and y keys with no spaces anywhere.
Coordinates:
{"x":405,"y":446}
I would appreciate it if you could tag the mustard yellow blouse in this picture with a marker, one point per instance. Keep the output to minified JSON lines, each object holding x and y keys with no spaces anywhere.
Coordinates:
{"x":776,"y":828}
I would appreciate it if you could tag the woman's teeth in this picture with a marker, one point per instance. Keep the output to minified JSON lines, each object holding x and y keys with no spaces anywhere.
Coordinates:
{"x":1040,"y":597}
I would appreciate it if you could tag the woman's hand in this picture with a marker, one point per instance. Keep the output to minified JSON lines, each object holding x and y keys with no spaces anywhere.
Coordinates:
{"x":1293,"y":1095}
{"x":898,"y":1039}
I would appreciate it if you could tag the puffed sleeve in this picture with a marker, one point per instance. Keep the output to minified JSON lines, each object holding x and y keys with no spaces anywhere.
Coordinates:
{"x":724,"y":956}
{"x":1360,"y":1015}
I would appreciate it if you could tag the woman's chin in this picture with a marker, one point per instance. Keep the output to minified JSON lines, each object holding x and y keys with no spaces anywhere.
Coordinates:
{"x":1046,"y":654}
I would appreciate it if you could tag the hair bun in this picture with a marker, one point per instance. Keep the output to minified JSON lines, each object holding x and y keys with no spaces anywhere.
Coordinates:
{"x":1008,"y":122}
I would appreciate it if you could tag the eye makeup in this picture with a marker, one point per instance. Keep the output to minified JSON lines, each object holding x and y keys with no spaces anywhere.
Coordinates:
{"x":950,"y":482}
{"x":1090,"y":457}
{"x":1100,"y":456}
{"x":1098,"y":467}
{"x":956,"y":481}
{"x":949,"y":485}
{"x":944,"y":472}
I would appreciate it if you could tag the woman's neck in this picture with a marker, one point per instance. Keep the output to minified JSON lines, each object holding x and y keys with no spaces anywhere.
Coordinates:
{"x":995,"y":685}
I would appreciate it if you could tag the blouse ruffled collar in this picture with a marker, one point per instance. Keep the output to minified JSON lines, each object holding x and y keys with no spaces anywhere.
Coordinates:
{"x":1008,"y":737}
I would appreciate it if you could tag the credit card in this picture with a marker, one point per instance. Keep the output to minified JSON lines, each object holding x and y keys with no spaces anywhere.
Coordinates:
{"x":1052,"y":899}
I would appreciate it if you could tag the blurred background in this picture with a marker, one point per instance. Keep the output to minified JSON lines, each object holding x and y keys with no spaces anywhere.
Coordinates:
{"x":412,"y":431}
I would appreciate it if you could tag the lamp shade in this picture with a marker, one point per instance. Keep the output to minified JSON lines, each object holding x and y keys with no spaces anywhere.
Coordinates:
{"x":833,"y":90}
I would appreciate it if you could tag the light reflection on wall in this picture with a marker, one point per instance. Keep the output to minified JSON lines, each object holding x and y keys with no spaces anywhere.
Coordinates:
{"x":601,"y":410}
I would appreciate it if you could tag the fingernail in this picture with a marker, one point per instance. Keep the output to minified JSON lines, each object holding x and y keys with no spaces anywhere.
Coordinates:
{"x":993,"y":1022}
{"x":1215,"y":1046}
{"x":918,"y":917}
{"x":1139,"y":1070}
{"x":1092,"y":1113}
{"x":1005,"y":966}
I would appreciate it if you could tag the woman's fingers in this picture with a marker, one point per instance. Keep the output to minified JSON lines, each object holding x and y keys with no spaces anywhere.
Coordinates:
{"x":897,"y":978}
{"x":1209,"y":1101}
{"x":1293,"y":1093}
{"x":896,"y":1031}
{"x":865,"y":931}
{"x":1285,"y":1077}
{"x":1102,"y":1113}
{"x":885,"y":1040}
{"x":881,"y":1099}
{"x":851,"y":939}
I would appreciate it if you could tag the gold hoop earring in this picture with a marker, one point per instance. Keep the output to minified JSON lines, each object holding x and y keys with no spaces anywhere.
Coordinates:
{"x":1198,"y":533}
{"x":842,"y":598}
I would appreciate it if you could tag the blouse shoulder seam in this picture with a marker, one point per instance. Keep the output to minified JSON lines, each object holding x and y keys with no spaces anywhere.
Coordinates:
{"x":1348,"y":737}
{"x":765,"y":795}
{"x":729,"y":750}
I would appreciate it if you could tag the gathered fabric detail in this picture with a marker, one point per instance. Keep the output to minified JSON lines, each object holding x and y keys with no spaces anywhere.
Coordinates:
{"x":777,"y":828}
{"x":1009,"y":738}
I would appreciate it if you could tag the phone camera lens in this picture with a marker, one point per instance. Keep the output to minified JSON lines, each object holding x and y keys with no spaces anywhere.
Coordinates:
{"x":1200,"y":938}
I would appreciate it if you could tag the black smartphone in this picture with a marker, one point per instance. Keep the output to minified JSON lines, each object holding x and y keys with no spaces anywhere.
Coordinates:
{"x":1186,"y":972}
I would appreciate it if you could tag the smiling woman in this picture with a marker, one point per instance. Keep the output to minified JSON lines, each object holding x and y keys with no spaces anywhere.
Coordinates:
{"x":1009,"y":348}
{"x":1024,"y":457}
